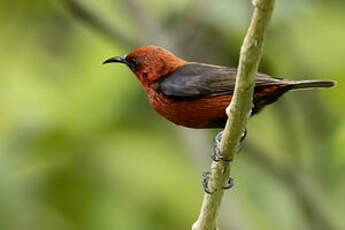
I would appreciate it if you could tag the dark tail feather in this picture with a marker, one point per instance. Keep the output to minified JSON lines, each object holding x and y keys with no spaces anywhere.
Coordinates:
{"x":296,"y":85}
{"x":260,"y":102}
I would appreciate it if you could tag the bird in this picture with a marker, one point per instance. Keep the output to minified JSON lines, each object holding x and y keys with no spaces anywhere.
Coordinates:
{"x":195,"y":95}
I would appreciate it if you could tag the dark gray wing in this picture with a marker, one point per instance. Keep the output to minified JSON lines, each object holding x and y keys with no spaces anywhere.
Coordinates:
{"x":197,"y":80}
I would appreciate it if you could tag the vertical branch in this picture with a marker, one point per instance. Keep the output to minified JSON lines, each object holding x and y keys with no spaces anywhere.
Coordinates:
{"x":238,"y":113}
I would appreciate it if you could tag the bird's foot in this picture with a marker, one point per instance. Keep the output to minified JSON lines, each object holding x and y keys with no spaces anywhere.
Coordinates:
{"x":230,"y":183}
{"x":205,"y":179}
{"x":217,"y":155}
{"x":204,"y":182}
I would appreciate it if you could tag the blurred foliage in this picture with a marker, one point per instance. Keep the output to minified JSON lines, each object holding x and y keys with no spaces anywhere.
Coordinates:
{"x":81,"y":148}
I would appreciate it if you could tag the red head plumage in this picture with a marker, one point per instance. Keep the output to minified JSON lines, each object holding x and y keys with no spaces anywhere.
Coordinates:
{"x":149,"y":63}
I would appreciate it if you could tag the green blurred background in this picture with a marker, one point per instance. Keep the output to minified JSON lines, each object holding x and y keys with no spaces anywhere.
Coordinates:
{"x":81,"y":148}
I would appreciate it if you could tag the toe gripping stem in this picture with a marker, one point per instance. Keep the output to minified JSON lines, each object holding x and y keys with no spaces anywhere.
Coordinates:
{"x":217,"y":155}
{"x":205,"y":179}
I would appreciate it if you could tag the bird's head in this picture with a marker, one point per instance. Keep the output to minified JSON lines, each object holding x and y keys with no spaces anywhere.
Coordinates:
{"x":149,"y":63}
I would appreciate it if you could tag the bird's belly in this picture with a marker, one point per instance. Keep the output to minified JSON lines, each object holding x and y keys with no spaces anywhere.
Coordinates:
{"x":208,"y":112}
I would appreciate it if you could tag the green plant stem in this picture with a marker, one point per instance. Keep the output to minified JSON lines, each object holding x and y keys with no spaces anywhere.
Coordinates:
{"x":238,"y":113}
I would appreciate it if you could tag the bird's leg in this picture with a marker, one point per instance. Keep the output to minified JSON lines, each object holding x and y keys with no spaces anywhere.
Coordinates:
{"x":205,"y":179}
{"x":217,"y":155}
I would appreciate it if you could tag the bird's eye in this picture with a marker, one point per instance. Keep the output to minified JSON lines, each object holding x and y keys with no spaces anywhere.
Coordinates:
{"x":133,"y":63}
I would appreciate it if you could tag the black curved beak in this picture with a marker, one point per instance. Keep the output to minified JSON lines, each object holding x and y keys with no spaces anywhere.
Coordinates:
{"x":116,"y":59}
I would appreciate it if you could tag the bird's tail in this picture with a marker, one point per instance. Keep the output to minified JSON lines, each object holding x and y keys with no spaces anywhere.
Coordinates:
{"x":297,"y":85}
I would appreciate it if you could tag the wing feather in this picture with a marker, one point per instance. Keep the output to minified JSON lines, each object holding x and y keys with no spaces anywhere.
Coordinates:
{"x":197,"y":80}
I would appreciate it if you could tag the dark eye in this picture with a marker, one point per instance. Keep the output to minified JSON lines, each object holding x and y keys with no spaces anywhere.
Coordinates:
{"x":132,"y":62}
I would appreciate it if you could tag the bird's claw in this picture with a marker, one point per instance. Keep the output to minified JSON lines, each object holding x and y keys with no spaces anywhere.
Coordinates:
{"x":217,"y":155}
{"x":205,"y":179}
{"x":230,"y":183}
{"x":204,"y":182}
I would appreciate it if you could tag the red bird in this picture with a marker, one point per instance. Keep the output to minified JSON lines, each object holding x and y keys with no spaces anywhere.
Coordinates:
{"x":196,"y":95}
